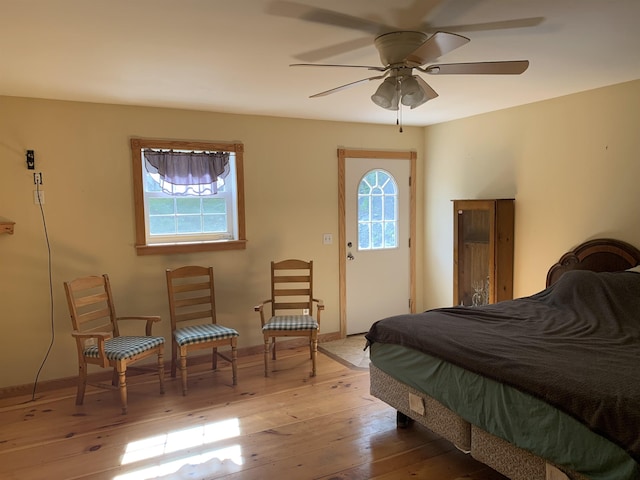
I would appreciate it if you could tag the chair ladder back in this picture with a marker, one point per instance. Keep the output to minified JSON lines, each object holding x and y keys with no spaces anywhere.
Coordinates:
{"x":291,"y":285}
{"x":191,"y":297}
{"x":90,"y":300}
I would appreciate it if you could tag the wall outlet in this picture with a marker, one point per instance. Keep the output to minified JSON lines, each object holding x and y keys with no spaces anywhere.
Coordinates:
{"x":327,"y":239}
{"x":37,"y":178}
{"x":305,"y":311}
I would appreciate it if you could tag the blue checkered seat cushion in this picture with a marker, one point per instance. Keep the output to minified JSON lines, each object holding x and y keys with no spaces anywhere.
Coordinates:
{"x":291,"y":322}
{"x":202,"y":333}
{"x":122,"y":348}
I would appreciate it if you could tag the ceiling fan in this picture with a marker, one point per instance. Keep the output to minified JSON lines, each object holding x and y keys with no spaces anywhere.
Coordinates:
{"x":403,"y":51}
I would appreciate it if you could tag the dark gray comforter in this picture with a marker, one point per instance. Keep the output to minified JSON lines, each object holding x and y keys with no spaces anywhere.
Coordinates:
{"x":575,"y":345}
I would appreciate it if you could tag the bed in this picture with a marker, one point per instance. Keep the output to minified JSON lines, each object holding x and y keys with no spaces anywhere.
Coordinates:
{"x":543,"y":387}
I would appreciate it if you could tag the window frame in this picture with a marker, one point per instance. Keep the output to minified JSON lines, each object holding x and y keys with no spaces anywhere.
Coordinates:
{"x":141,"y":245}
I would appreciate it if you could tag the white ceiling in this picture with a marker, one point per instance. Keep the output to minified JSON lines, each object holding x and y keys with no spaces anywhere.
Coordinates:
{"x":234,"y":55}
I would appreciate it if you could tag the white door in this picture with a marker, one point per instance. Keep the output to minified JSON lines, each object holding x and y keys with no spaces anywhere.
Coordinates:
{"x":377,"y":240}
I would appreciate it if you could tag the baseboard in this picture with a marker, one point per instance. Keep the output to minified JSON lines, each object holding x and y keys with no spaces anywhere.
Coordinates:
{"x":105,"y":375}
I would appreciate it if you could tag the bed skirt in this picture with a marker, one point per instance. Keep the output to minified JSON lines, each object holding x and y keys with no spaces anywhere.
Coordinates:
{"x":511,"y":461}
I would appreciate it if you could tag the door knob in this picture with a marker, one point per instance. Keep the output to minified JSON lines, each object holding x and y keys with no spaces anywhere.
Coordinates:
{"x":350,"y":256}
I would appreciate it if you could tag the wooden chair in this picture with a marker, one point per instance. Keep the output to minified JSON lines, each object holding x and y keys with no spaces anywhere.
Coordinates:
{"x":98,"y":339}
{"x":291,"y":295}
{"x":192,"y":306}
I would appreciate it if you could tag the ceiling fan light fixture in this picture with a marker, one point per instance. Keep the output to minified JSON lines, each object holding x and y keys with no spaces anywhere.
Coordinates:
{"x":412,"y":95}
{"x":386,"y":95}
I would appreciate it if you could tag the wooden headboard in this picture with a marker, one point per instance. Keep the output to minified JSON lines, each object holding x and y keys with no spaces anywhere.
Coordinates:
{"x":599,"y":255}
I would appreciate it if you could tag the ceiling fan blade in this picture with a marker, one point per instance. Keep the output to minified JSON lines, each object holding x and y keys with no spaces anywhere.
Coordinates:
{"x":368,"y":67}
{"x":348,"y":85}
{"x":435,"y":46}
{"x":333,"y":50}
{"x":514,"y":67}
{"x":327,"y":17}
{"x":429,"y":92}
{"x":480,"y":27}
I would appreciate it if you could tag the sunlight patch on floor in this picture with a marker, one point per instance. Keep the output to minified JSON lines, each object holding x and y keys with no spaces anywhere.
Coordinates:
{"x":186,"y":440}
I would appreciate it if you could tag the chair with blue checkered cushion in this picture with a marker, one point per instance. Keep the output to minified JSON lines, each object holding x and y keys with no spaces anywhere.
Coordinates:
{"x":291,"y":312}
{"x":98,"y":339}
{"x":192,"y":306}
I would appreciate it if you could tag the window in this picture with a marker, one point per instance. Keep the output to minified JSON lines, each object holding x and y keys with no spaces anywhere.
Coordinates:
{"x":201,"y":210}
{"x":377,"y":211}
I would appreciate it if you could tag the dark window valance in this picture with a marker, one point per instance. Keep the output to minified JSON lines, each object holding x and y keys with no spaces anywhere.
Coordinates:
{"x":187,"y":173}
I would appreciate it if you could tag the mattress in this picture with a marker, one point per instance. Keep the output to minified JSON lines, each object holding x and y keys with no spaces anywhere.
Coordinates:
{"x":507,"y":413}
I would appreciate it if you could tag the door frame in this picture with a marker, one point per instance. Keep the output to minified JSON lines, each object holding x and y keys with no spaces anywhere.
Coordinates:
{"x":343,"y":156}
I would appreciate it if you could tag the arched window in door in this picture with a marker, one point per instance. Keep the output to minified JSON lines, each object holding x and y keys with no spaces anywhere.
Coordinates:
{"x":377,"y":211}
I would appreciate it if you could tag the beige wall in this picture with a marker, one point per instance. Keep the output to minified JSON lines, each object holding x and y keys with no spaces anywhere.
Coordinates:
{"x":571,"y":163}
{"x":83,"y":152}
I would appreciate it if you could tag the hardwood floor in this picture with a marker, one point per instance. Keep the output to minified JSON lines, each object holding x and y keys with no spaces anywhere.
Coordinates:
{"x":287,"y":426}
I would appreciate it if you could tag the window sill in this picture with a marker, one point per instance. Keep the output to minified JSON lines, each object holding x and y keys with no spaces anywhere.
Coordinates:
{"x":170,"y":248}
